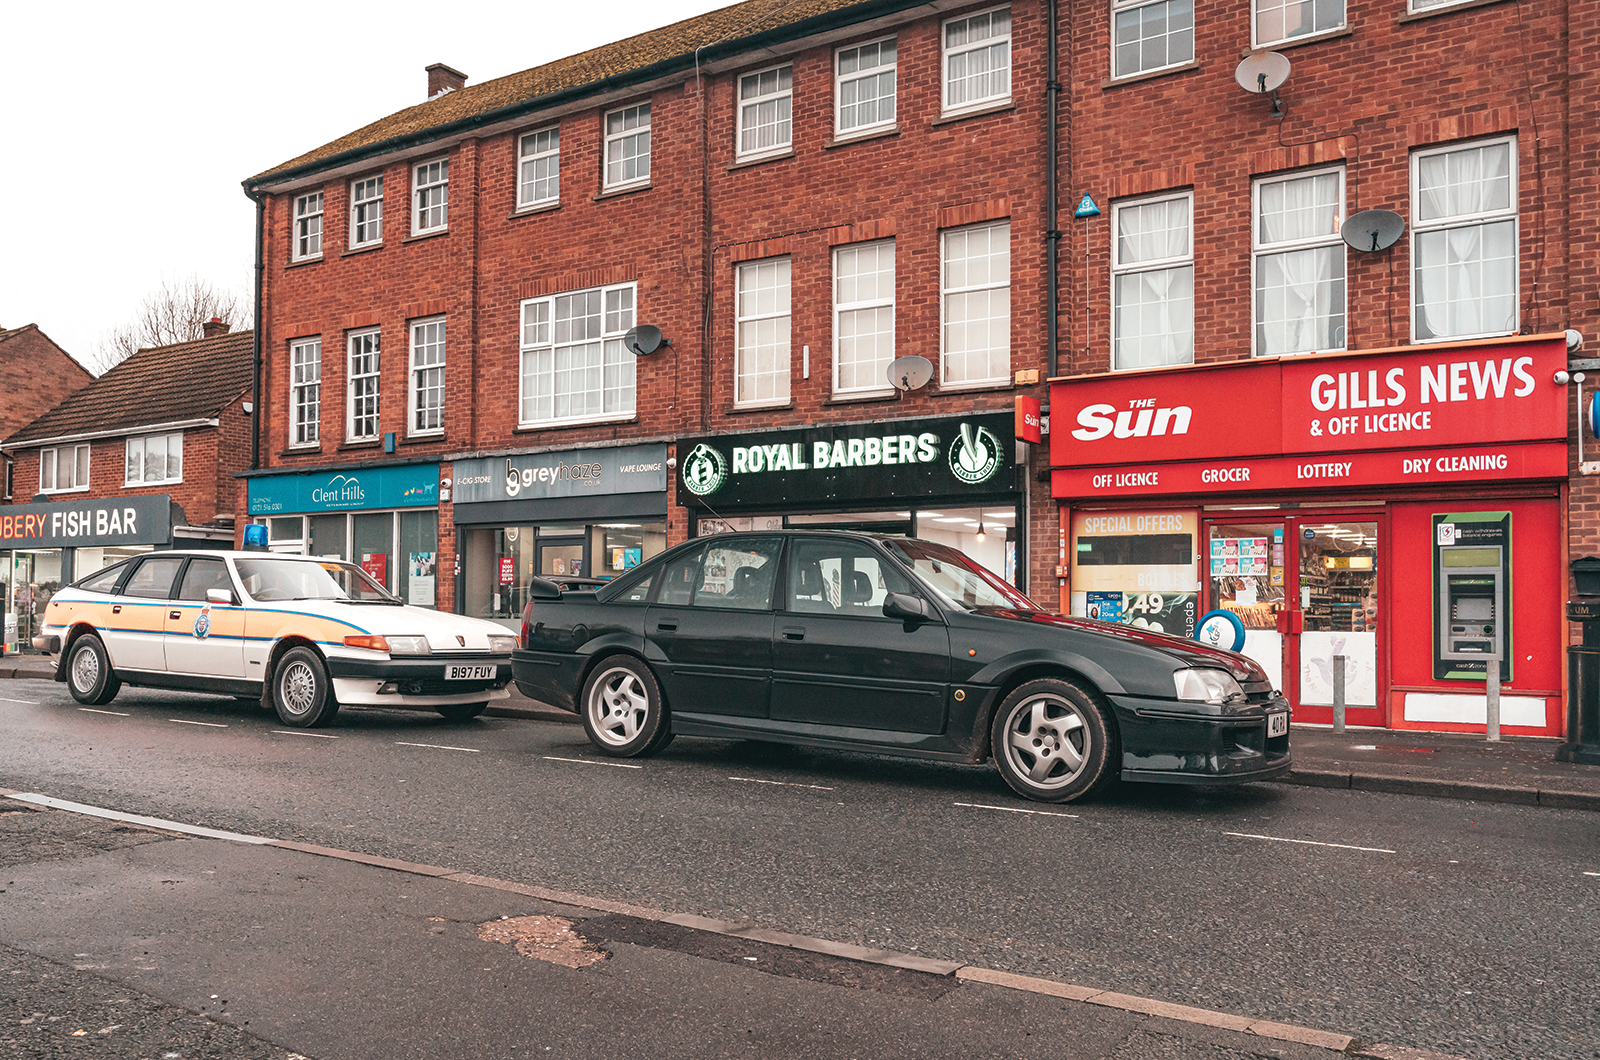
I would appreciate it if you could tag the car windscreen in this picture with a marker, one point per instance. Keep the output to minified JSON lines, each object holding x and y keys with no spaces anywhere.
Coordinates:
{"x":959,"y":581}
{"x":273,"y":578}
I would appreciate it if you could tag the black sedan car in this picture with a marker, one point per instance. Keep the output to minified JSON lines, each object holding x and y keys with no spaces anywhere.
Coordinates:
{"x":892,"y":646}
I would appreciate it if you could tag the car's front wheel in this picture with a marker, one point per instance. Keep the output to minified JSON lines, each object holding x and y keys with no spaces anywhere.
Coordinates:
{"x":1053,"y":742}
{"x":301,"y":690}
{"x":89,"y":676}
{"x":623,"y":712}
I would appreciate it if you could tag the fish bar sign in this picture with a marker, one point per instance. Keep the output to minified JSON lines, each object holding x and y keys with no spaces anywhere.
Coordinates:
{"x":71,"y":524}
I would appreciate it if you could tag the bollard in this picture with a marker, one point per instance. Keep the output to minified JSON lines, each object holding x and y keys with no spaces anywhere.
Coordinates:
{"x":1492,"y":691}
{"x":1338,"y":693}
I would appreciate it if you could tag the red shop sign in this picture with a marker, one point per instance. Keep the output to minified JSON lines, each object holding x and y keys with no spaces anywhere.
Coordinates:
{"x":1412,"y":398}
{"x":508,"y":570}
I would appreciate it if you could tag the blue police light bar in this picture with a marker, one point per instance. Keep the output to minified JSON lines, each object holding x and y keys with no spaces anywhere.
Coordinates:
{"x":255,"y":538}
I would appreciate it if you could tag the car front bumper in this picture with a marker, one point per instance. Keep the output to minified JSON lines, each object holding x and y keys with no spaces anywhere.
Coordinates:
{"x":415,"y":682}
{"x":1163,"y":742}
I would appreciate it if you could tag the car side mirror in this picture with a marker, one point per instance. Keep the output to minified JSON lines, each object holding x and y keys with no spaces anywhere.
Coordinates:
{"x":544,"y":589}
{"x":907,"y":607}
{"x":221,"y":596}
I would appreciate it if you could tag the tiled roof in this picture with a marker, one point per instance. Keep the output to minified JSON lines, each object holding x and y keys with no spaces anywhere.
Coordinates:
{"x":162,"y":384}
{"x":657,"y":48}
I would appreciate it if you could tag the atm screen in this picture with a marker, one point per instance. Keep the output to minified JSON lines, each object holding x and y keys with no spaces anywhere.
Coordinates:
{"x":1473,"y":609}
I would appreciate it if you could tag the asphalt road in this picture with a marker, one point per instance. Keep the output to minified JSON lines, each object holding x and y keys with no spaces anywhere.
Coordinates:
{"x":1471,"y":929}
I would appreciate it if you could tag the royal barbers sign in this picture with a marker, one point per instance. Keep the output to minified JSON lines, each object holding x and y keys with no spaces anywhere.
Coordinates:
{"x":571,"y":473}
{"x":141,"y":520}
{"x":833,"y":464}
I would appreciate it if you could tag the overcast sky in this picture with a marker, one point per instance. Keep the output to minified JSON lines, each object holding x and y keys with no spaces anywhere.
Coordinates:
{"x":127,"y":127}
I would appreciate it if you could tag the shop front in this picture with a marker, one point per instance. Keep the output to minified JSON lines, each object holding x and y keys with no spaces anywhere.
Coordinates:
{"x":956,"y":480}
{"x":45,"y":546}
{"x":384,"y":518}
{"x":581,"y":513}
{"x":1379,"y":527}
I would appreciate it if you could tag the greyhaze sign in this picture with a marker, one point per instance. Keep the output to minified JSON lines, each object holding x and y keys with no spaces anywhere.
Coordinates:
{"x":572,"y":473}
{"x":970,"y":455}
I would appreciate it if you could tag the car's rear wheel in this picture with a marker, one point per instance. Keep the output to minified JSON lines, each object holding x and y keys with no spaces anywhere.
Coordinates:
{"x":462,"y":711}
{"x":1053,"y":742}
{"x":89,"y":676}
{"x":623,"y":711}
{"x":301,"y":690}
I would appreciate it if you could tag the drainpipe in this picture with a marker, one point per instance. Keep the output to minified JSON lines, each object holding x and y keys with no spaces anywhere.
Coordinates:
{"x":1052,"y":235}
{"x":260,"y":200}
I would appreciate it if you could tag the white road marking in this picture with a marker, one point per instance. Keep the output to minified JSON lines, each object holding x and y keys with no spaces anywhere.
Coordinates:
{"x":134,"y":818}
{"x":437,"y":746}
{"x":113,"y":713}
{"x":592,"y":762}
{"x":781,"y":783}
{"x":1309,"y":842}
{"x":297,"y":732}
{"x":207,"y":724}
{"x":1015,"y":809}
{"x":1592,"y":874}
{"x":27,"y":702}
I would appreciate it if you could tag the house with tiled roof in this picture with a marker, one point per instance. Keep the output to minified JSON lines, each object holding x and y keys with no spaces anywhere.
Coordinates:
{"x":144,"y":457}
{"x":35,"y":376}
{"x":712,"y":236}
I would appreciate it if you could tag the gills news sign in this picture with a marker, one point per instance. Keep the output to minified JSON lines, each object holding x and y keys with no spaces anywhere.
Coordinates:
{"x":954,"y":457}
{"x":142,"y":520}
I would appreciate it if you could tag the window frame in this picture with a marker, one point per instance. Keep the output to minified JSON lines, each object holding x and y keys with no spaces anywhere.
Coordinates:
{"x":839,"y":308}
{"x":8,"y":468}
{"x":144,"y":439}
{"x":945,"y":291}
{"x":741,"y":352}
{"x":1482,"y":218}
{"x":1259,"y":250}
{"x":527,"y":349}
{"x":1120,"y":6}
{"x":946,"y":108}
{"x":305,"y":220}
{"x":351,"y":379}
{"x":1153,"y":265}
{"x":607,"y":138}
{"x":421,"y":190}
{"x":419,"y":379}
{"x":525,"y":158}
{"x":1414,"y":8}
{"x":839,"y":81}
{"x":741,"y":104}
{"x":366,"y":210}
{"x":1258,"y":42}
{"x":54,"y":453}
{"x":305,"y":395}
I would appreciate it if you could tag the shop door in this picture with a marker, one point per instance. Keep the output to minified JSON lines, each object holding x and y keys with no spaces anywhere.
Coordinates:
{"x":1306,"y":589}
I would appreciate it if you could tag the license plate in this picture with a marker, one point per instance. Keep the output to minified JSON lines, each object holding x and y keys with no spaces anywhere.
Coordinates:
{"x":1278,"y":724}
{"x":460,"y":672}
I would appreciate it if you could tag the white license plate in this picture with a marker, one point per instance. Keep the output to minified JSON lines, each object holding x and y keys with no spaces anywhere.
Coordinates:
{"x":1278,"y":724}
{"x":460,"y":672}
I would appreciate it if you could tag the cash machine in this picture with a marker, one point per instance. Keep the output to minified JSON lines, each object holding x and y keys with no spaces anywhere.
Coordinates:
{"x":1472,"y":609}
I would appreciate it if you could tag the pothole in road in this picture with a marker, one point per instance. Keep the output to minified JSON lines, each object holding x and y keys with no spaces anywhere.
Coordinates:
{"x":545,"y":938}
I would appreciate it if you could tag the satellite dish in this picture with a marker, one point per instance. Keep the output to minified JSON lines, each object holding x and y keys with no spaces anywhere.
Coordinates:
{"x":1262,"y":72}
{"x":910,"y":373}
{"x":1372,"y":230}
{"x":644,"y":339}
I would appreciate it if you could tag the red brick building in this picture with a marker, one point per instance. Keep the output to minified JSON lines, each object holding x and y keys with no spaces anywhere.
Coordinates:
{"x":35,"y":375}
{"x":146,"y":456}
{"x":784,"y":198}
{"x":793,"y":194}
{"x":1363,"y":452}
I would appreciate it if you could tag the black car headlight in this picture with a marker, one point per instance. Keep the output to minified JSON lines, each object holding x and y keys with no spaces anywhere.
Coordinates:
{"x":1206,"y":686}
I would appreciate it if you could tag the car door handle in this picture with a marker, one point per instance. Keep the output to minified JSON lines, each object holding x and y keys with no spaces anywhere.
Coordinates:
{"x":794,"y":633}
{"x":667,"y":626}
{"x":174,"y":614}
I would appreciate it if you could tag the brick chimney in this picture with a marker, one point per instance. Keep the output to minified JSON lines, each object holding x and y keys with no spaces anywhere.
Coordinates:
{"x":214,"y":327}
{"x":442,"y":78}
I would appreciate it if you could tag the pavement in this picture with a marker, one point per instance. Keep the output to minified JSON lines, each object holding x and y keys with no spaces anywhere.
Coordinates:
{"x":1522,"y":770}
{"x":1516,"y":769}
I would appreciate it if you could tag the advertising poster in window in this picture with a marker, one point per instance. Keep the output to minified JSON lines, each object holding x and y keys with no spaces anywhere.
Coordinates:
{"x":422,"y":579}
{"x":1137,"y":568}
